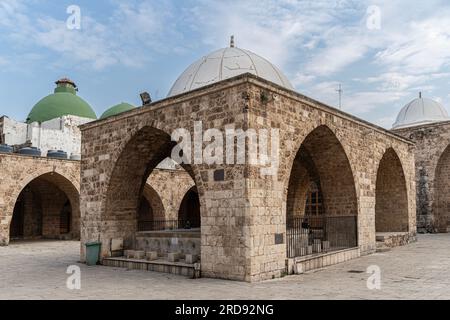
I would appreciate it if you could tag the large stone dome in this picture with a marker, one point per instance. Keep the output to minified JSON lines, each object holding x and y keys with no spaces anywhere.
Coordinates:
{"x":420,"y":111}
{"x":64,"y":101}
{"x":227,"y":63}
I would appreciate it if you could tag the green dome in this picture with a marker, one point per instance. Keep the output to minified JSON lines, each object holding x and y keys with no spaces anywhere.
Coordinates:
{"x":61,"y":103}
{"x":113,"y":111}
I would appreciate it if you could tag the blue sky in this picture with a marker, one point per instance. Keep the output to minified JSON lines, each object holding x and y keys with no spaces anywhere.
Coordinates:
{"x":383,"y":52}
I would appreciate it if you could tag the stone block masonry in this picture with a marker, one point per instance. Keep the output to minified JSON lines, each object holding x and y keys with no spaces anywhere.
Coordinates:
{"x":51,"y":181}
{"x":432,"y":157}
{"x":243,"y":215}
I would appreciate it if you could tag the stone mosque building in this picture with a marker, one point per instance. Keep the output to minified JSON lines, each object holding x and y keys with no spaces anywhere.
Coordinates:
{"x":342,"y":187}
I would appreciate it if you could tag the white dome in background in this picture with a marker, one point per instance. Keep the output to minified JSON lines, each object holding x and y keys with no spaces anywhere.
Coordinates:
{"x":420,"y":111}
{"x":227,"y":63}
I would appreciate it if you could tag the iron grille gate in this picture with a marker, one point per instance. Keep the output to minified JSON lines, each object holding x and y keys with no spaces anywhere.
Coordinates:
{"x":161,"y":225}
{"x":309,"y":235}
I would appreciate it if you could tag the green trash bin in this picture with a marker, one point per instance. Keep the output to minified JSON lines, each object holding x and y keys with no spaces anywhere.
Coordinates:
{"x":92,"y":253}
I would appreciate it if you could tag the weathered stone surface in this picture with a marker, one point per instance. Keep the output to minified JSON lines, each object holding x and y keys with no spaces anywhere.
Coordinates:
{"x":173,"y":256}
{"x":170,"y":186}
{"x":53,"y":181}
{"x":432,"y":174}
{"x":241,"y":214}
{"x":151,"y":255}
{"x":191,"y":258}
{"x":417,"y":271}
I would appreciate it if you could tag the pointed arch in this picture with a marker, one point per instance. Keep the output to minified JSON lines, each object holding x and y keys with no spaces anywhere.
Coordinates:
{"x":391,"y":199}
{"x":40,"y":201}
{"x":441,"y":205}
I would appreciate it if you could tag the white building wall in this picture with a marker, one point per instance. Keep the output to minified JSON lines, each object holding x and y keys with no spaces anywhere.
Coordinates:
{"x":56,"y":134}
{"x":14,"y":132}
{"x":60,"y":134}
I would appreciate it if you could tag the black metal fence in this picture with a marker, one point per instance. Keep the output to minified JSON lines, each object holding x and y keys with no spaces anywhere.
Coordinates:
{"x":161,"y":225}
{"x":320,"y":234}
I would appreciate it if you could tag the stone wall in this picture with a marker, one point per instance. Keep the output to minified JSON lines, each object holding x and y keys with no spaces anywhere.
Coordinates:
{"x":171,"y":186}
{"x":432,"y":141}
{"x":363,"y":145}
{"x":243,"y":213}
{"x":391,"y":197}
{"x":51,"y":177}
{"x":42,"y":206}
{"x":32,"y":214}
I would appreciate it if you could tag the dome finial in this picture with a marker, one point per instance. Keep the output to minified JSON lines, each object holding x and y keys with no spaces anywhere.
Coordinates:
{"x":232,"y":42}
{"x":66,"y":85}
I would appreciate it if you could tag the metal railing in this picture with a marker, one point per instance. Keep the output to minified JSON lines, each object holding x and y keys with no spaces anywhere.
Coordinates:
{"x":320,"y":234}
{"x":161,"y":225}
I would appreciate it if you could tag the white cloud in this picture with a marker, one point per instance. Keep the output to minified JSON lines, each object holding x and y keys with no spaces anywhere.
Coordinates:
{"x":273,"y":29}
{"x":337,"y":56}
{"x":133,"y":32}
{"x":3,"y":61}
{"x":316,"y":43}
{"x":423,"y":47}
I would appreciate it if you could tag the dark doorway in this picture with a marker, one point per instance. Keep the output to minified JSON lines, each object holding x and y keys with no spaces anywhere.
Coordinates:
{"x":16,"y":231}
{"x":189,"y":211}
{"x":145,"y":216}
{"x":65,"y":218}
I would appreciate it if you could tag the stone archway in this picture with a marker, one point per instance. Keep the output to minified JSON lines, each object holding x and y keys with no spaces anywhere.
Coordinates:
{"x":391,"y":199}
{"x":442,"y":193}
{"x":47,"y":206}
{"x":321,"y":171}
{"x":142,"y":153}
{"x":150,"y":209}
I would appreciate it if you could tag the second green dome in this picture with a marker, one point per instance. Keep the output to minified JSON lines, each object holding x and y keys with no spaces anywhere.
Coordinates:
{"x":117,"y":109}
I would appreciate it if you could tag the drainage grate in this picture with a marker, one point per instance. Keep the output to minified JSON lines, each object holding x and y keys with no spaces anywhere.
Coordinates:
{"x":355,"y":271}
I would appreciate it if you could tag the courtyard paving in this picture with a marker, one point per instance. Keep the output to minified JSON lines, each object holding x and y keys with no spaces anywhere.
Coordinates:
{"x":37,"y":270}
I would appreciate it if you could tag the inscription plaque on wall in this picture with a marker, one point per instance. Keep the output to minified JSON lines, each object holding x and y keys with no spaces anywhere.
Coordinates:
{"x":279,"y":238}
{"x":219,"y":175}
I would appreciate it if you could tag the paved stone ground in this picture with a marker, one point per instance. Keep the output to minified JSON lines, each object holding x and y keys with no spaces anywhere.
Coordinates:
{"x":37,"y":270}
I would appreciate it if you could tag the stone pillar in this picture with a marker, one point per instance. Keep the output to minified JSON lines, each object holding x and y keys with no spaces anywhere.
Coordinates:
{"x":267,"y":229}
{"x":4,"y":232}
{"x":225,"y":241}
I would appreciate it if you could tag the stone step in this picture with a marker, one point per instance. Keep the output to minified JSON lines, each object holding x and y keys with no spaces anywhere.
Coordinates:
{"x":393,"y":239}
{"x":382,"y":247}
{"x":179,"y":268}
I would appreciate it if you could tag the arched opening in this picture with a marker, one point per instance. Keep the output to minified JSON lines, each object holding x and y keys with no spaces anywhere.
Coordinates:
{"x":189,"y":213}
{"x":442,"y":193}
{"x":133,"y":210}
{"x":145,"y":150}
{"x":321,"y":210}
{"x":391,"y":206}
{"x":150,"y":211}
{"x":44,"y":209}
{"x":27,"y":216}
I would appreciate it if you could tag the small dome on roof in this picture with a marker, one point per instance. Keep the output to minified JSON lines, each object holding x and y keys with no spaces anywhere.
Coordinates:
{"x":227,"y":63}
{"x":64,"y":101}
{"x":117,"y":109}
{"x":420,"y":111}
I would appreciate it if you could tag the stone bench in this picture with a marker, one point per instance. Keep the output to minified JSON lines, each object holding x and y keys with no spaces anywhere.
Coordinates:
{"x":173,"y":256}
{"x":191,"y":258}
{"x":134,"y":254}
{"x":151,"y":255}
